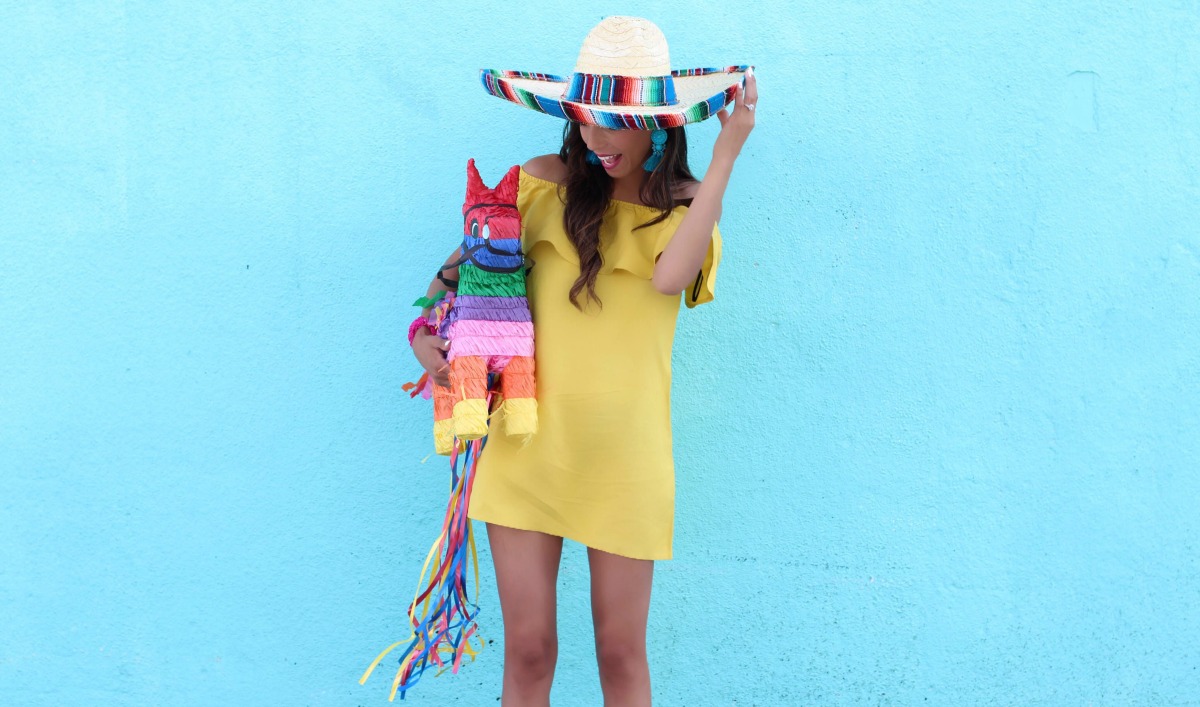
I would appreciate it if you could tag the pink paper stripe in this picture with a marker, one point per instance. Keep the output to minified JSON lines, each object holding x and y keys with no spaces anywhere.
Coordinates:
{"x":463,"y":329}
{"x":505,"y":346}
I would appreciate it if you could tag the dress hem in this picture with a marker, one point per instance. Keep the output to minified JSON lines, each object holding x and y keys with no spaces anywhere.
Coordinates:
{"x":471,"y":514}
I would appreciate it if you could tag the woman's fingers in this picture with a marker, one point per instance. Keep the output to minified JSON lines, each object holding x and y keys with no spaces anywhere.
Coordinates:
{"x":750,"y":89}
{"x":443,"y":372}
{"x":435,"y":363}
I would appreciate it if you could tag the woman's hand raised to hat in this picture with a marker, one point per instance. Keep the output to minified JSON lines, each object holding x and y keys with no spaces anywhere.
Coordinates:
{"x":736,"y":125}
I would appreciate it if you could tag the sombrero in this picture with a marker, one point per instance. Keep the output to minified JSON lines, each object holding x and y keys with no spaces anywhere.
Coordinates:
{"x":623,"y":81}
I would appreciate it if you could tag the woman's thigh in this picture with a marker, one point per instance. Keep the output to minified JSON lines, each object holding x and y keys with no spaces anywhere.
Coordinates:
{"x":526,"y":577}
{"x":620,"y":599}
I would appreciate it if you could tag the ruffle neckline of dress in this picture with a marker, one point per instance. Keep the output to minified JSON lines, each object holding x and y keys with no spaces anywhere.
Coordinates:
{"x":632,"y":251}
{"x":555,"y":186}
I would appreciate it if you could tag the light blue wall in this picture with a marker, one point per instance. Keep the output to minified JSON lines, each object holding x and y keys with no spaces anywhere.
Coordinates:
{"x":937,"y":437}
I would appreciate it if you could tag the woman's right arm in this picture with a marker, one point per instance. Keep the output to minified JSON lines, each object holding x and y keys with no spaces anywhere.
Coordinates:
{"x":430,"y":349}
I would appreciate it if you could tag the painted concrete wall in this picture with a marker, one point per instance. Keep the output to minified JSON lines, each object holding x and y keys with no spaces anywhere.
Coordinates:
{"x":937,"y":437}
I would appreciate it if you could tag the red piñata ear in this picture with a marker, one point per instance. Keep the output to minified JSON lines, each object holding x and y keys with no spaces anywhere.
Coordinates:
{"x":476,"y":190}
{"x":506,"y":190}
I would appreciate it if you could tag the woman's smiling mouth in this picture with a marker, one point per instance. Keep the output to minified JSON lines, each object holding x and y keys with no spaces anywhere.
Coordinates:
{"x":609,"y":161}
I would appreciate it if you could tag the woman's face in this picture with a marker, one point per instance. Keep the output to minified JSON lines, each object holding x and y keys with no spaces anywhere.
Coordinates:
{"x":630,"y":148}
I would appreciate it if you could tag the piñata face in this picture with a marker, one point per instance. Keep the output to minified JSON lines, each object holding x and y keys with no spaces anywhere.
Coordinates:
{"x":493,"y":222}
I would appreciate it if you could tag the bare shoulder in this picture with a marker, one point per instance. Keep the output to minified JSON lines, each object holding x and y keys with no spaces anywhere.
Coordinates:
{"x":687,"y":190}
{"x":547,"y":167}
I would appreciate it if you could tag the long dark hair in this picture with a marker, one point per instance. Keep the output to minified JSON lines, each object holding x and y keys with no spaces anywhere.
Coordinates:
{"x":589,"y":189}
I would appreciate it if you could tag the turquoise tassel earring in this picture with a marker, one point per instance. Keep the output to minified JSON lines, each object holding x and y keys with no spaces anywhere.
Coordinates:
{"x":592,"y":158}
{"x":659,"y":139}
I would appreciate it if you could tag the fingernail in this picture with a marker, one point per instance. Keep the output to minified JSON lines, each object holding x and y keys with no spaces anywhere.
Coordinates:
{"x":750,"y":71}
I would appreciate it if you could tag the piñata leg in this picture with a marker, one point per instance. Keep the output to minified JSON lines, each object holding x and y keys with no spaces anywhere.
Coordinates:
{"x":443,"y":420}
{"x":519,"y":389}
{"x":468,"y":377}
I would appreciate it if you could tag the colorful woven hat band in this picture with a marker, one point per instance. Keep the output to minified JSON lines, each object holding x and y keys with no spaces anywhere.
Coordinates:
{"x":623,"y":91}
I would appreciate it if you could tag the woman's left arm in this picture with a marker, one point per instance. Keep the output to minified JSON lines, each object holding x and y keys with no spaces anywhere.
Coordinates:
{"x":685,"y":252}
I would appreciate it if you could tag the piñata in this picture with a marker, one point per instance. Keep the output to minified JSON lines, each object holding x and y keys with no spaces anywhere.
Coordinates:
{"x":487,"y":320}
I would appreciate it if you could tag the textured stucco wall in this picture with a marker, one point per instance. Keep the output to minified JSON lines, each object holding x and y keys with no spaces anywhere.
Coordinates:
{"x":937,"y":437}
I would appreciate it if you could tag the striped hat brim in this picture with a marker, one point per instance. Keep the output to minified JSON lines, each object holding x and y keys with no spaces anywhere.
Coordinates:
{"x":700,"y":93}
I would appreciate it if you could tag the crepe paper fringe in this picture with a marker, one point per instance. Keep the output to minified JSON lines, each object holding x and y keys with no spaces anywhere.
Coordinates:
{"x":442,"y":636}
{"x":424,"y":302}
{"x":443,"y":629}
{"x":423,"y":386}
{"x":441,"y":311}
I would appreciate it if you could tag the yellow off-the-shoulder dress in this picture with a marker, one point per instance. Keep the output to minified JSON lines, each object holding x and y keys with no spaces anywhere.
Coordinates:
{"x":600,"y":468}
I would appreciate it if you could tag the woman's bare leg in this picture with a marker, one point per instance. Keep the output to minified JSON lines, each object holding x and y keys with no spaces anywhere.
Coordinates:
{"x":526,"y":575}
{"x":620,"y":609}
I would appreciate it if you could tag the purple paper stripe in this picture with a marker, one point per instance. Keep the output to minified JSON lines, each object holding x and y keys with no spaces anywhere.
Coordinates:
{"x":488,"y":315}
{"x":497,"y":302}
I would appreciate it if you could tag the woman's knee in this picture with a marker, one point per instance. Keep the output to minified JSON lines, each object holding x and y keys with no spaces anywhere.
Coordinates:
{"x":619,"y":655}
{"x":532,"y":653}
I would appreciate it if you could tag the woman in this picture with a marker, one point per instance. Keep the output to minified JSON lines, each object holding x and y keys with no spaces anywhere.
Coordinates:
{"x":616,"y":228}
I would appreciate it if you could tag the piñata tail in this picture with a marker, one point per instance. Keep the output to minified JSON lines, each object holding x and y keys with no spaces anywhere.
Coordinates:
{"x":488,"y":323}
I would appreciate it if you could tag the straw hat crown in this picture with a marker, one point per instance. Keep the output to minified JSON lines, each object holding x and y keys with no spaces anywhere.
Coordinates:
{"x":627,"y":46}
